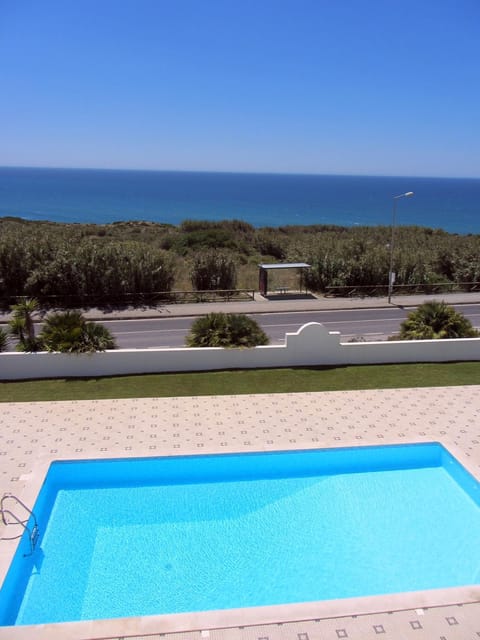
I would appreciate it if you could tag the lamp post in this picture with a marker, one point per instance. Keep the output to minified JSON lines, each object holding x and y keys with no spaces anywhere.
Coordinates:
{"x":391,"y":276}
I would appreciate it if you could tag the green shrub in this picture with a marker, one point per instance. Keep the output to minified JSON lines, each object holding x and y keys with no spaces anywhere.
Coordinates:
{"x":436,"y":320}
{"x":226,"y":330}
{"x":68,"y":332}
{"x":3,"y":340}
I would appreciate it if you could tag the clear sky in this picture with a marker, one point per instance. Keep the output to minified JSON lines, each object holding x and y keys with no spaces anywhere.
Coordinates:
{"x":387,"y":87}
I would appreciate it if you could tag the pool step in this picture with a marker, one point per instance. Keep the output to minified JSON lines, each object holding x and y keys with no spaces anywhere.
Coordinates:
{"x":9,"y":518}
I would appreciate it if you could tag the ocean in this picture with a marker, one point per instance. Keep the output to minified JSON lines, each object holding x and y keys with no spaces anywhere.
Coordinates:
{"x":105,"y":196}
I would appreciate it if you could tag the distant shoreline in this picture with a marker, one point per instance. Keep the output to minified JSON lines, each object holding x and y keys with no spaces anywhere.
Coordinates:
{"x":218,"y":224}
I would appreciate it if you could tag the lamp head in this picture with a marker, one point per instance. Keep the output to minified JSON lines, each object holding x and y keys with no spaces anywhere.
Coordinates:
{"x":409,"y":194}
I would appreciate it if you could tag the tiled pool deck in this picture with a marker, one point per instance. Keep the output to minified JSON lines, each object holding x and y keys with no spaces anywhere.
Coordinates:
{"x":33,"y":434}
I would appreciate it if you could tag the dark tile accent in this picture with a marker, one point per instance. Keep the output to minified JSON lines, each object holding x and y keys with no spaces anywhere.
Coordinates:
{"x":416,"y":624}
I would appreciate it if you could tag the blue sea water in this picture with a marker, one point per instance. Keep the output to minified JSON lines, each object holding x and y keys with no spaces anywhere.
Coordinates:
{"x":104,"y":196}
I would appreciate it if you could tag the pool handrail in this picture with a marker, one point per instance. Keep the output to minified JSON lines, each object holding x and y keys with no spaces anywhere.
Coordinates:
{"x":32,"y":531}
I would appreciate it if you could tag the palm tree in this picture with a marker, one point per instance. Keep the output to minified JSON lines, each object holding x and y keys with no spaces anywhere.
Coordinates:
{"x":68,"y":332}
{"x":62,"y":331}
{"x":436,"y":320}
{"x":226,"y":330}
{"x":22,"y":324}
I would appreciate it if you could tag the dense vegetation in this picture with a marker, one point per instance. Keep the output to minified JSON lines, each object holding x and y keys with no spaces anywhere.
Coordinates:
{"x":103,"y":263}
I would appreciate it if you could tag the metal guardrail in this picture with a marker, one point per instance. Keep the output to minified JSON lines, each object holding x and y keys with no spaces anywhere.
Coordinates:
{"x":135,"y":299}
{"x":365,"y":291}
{"x":215,"y":295}
{"x":231,"y":295}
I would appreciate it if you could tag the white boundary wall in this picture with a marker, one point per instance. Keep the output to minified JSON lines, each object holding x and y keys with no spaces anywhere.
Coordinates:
{"x":311,"y":345}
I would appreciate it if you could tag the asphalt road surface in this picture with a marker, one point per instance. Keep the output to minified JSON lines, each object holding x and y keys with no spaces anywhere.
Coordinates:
{"x":370,"y":324}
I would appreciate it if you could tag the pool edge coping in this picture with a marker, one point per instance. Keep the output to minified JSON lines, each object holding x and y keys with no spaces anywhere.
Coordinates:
{"x":231,"y":618}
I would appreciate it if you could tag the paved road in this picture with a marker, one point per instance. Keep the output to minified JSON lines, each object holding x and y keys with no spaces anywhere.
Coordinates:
{"x":371,"y":324}
{"x":372,"y":319}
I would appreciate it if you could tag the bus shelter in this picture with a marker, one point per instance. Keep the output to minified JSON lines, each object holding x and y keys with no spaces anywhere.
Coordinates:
{"x":264,"y":269}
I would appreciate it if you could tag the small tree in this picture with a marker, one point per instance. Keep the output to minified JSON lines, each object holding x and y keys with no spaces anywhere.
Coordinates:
{"x":226,"y":330}
{"x":68,"y":332}
{"x":436,"y":320}
{"x":213,"y":270}
{"x":22,"y":324}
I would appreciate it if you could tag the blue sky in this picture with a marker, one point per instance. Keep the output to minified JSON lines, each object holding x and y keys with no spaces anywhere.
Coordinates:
{"x":381,"y":87}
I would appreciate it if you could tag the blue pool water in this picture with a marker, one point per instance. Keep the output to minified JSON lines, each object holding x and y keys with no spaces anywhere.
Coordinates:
{"x":167,"y":535}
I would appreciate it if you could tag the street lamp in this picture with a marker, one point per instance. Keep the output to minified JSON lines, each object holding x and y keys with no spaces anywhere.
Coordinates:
{"x":391,"y":275}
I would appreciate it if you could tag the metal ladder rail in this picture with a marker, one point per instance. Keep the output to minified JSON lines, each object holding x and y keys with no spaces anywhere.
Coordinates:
{"x":33,"y":532}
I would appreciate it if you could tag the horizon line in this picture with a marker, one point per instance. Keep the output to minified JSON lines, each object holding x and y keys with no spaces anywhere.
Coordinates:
{"x":230,"y":172}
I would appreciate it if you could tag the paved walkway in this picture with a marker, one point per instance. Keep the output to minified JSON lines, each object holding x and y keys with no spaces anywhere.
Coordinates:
{"x":33,"y":434}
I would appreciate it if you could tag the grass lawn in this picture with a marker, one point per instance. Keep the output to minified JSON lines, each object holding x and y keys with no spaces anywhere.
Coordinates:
{"x":245,"y":381}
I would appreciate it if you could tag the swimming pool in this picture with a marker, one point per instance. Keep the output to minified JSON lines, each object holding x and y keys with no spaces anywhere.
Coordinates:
{"x":136,"y":537}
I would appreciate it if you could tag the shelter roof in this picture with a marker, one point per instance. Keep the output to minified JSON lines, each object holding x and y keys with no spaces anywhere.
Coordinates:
{"x":285,"y":265}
